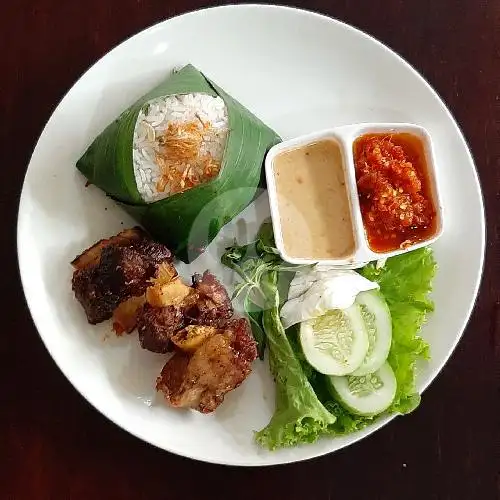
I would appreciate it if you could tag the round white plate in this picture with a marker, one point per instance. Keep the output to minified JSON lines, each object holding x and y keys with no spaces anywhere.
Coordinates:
{"x":297,"y":71}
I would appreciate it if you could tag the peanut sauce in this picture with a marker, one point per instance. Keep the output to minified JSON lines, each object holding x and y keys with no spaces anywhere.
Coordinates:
{"x":313,"y":203}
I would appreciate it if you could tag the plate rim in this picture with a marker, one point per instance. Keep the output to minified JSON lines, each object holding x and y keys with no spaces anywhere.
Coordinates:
{"x":325,"y":18}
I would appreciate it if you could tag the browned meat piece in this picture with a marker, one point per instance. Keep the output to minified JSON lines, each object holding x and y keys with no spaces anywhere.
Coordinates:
{"x":243,"y":342}
{"x":218,"y":366}
{"x":93,"y":254}
{"x":163,"y":314}
{"x":172,"y":379}
{"x":213,"y":306}
{"x":116,"y":273}
{"x":171,"y":305}
{"x":156,"y":325}
{"x":153,"y":252}
{"x":210,"y":287}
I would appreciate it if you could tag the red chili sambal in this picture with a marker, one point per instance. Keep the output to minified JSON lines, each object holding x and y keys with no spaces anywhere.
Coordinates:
{"x":394,"y":190}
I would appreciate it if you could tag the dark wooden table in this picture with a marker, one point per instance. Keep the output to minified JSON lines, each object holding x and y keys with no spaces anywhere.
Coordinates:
{"x":54,"y":445}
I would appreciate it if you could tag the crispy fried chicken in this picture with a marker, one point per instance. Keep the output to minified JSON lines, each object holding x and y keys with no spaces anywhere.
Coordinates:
{"x":220,"y":364}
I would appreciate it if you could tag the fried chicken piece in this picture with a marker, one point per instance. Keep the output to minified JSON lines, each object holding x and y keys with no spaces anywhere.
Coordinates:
{"x":213,"y":306}
{"x":114,"y":273}
{"x":156,"y":325}
{"x":219,"y":365}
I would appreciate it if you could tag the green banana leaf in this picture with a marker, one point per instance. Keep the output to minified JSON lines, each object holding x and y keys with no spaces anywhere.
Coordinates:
{"x":186,"y":222}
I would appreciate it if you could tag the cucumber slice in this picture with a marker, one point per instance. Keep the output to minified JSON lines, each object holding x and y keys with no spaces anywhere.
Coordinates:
{"x":367,"y":395}
{"x":335,"y":343}
{"x":378,"y":322}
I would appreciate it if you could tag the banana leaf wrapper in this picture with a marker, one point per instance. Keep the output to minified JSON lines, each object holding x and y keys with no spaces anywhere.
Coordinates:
{"x":186,"y":222}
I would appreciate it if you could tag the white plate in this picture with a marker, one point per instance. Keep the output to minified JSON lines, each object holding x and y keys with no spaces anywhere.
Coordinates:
{"x":297,"y":71}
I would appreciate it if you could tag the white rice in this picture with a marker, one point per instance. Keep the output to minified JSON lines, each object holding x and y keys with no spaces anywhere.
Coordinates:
{"x":154,"y":119}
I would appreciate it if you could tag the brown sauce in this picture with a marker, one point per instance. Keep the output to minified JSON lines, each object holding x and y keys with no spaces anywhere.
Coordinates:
{"x":313,"y":203}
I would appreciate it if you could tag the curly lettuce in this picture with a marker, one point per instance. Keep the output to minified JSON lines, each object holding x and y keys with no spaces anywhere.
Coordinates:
{"x":305,"y":409}
{"x":406,"y":282}
{"x":299,"y":417}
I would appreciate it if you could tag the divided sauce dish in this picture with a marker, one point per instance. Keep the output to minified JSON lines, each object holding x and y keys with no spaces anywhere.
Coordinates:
{"x":316,"y":200}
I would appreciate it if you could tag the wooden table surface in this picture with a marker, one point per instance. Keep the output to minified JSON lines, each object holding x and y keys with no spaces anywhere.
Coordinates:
{"x":54,"y":445}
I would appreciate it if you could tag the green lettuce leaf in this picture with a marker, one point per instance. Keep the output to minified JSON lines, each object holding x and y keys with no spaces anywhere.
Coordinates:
{"x":299,"y":416}
{"x":305,"y":409}
{"x":405,"y":282}
{"x":345,"y":421}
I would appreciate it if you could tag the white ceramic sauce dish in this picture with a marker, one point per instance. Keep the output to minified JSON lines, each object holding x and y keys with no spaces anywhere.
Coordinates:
{"x":345,"y":137}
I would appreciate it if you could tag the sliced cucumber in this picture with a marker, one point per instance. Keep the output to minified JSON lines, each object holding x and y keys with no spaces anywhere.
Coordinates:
{"x":337,"y":342}
{"x":377,"y":318}
{"x":367,"y":395}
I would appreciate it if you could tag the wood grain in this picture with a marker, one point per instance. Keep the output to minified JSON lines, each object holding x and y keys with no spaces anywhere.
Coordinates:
{"x":54,"y":445}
